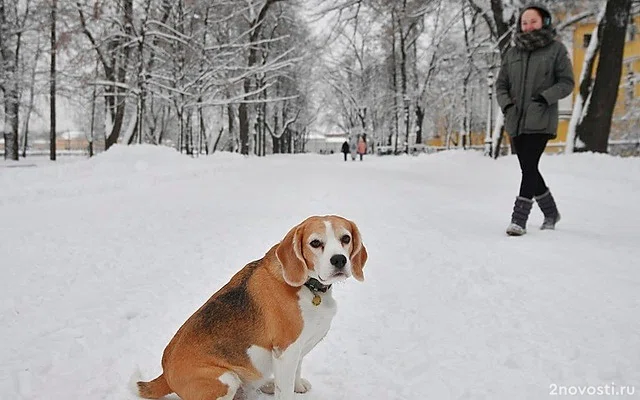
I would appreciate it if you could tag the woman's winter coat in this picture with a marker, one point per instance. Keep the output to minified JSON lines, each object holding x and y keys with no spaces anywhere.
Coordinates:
{"x":529,"y":85}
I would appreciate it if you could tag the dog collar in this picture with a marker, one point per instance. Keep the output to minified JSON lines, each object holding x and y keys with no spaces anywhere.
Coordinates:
{"x":316,"y":287}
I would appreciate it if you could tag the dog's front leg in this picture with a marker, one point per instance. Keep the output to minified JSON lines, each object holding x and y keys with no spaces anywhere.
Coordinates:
{"x":285,"y":365}
{"x":302,"y":385}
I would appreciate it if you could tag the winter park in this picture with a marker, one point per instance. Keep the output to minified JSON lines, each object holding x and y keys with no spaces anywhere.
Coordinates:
{"x":472,"y":168}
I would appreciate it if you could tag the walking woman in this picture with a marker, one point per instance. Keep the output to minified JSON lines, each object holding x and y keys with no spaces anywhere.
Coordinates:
{"x":362,"y":147}
{"x":534,"y":75}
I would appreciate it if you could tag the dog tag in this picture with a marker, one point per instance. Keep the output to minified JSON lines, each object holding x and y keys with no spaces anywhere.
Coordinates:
{"x":316,"y":300}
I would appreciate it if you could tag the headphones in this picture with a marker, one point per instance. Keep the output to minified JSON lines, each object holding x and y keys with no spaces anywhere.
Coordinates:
{"x":546,"y":21}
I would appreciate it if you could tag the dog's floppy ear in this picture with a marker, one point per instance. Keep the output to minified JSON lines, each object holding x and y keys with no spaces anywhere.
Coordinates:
{"x":289,"y":253}
{"x":358,"y":253}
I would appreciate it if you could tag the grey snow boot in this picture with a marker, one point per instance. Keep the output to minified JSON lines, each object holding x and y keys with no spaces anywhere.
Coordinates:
{"x":521,"y":210}
{"x":549,"y":209}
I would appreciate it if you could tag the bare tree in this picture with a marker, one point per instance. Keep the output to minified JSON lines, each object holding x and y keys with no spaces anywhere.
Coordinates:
{"x":13,"y":18}
{"x":30,"y":106}
{"x":585,"y":82}
{"x":255,"y":19}
{"x":352,"y":78}
{"x":114,"y":52}
{"x":410,"y":27}
{"x":422,"y":80}
{"x":500,"y":25}
{"x":596,"y":125}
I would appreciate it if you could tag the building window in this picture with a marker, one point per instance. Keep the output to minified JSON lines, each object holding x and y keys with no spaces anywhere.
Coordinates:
{"x":630,"y":78}
{"x":632,"y":30}
{"x":586,"y":39}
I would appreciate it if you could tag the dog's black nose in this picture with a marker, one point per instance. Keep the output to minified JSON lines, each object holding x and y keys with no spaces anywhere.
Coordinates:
{"x":338,"y":260}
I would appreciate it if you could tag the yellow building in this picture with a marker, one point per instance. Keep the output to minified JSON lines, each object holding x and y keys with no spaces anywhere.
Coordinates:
{"x":629,"y":89}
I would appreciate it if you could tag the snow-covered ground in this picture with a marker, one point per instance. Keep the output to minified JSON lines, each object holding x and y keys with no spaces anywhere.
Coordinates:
{"x":103,"y":259}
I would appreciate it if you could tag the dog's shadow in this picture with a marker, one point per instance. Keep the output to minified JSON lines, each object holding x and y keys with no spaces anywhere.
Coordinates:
{"x":262,"y":396}
{"x":310,"y":395}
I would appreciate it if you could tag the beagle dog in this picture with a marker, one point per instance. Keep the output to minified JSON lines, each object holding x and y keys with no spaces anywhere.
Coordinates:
{"x":264,"y":320}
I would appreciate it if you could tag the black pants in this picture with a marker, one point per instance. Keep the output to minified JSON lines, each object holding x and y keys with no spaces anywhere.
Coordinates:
{"x":529,"y":148}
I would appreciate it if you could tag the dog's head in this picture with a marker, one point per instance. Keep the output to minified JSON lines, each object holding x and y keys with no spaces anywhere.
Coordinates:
{"x":328,"y":248}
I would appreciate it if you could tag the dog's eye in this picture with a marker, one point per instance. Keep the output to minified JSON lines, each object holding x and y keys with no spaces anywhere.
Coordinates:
{"x":346,"y":239}
{"x":315,"y":243}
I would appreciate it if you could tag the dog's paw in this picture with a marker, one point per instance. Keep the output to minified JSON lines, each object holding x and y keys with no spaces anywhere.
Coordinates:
{"x":302,"y":386}
{"x":269,"y":387}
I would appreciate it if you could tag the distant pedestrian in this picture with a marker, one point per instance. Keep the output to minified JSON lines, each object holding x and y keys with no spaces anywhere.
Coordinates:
{"x":362,"y":147}
{"x":353,"y":150}
{"x":345,"y":149}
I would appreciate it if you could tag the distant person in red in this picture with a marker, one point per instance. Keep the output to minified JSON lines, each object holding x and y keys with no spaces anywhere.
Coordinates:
{"x":362,"y":147}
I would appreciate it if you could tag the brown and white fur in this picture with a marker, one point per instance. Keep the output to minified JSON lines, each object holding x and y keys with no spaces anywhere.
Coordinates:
{"x":263,"y":322}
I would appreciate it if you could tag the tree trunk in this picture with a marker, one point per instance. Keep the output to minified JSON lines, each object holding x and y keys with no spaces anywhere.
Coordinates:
{"x":121,"y":73}
{"x":11,"y":110}
{"x":585,"y":83}
{"x":130,"y":138}
{"x":215,"y":144}
{"x":419,"y":121}
{"x":288,"y":141}
{"x":116,"y":107}
{"x":502,"y":26}
{"x":94,"y":96}
{"x":394,"y":76}
{"x":417,"y":108}
{"x":166,"y":114}
{"x":596,"y":126}
{"x":114,"y":63}
{"x":142,"y":89}
{"x":31,"y":103}
{"x":230,"y":114}
{"x":276,"y":140}
{"x":243,"y":123}
{"x":403,"y":74}
{"x":188,"y":132}
{"x":262,"y":128}
{"x":180,"y":129}
{"x":52,"y":84}
{"x":10,"y":48}
{"x":464,"y":125}
{"x":202,"y":129}
{"x":260,"y":120}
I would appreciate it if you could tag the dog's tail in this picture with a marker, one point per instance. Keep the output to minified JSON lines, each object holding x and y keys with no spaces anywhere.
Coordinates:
{"x":154,"y":389}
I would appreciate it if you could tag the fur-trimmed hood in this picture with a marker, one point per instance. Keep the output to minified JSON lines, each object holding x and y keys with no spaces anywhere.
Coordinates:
{"x":547,"y":18}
